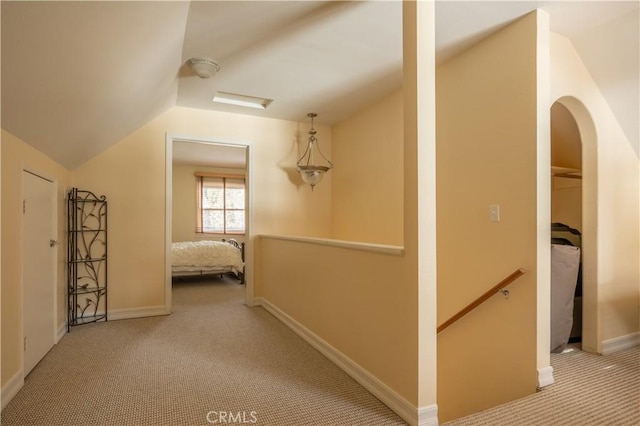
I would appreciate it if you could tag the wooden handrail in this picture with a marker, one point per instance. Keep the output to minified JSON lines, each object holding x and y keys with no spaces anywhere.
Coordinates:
{"x":471,"y":306}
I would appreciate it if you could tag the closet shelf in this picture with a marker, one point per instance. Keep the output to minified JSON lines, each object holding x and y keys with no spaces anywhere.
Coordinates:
{"x":566,"y":172}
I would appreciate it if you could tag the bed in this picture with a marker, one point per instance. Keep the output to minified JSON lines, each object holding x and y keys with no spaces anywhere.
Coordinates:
{"x":190,"y":258}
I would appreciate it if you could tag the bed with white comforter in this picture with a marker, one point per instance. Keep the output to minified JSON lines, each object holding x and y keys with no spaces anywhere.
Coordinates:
{"x":207,"y":257}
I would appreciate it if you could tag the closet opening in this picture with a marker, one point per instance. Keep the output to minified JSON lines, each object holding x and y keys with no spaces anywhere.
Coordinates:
{"x":567,"y":259}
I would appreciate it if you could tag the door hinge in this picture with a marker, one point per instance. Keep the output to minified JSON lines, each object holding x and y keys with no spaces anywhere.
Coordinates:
{"x":24,"y":206}
{"x":25,"y":343}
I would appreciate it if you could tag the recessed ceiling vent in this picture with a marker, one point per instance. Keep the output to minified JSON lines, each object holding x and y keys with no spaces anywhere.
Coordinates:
{"x":242,"y":100}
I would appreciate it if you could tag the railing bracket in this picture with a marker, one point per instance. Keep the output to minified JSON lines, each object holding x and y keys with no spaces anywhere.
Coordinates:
{"x":505,"y":292}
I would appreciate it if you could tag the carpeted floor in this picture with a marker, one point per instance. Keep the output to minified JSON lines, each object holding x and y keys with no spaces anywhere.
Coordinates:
{"x":213,"y":361}
{"x":589,"y":390}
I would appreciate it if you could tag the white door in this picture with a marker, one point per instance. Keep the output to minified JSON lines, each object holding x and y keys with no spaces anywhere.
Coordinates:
{"x":38,"y":268}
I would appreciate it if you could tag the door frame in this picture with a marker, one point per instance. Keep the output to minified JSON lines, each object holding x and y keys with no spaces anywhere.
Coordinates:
{"x":591,"y":333}
{"x":248,"y":250}
{"x":54,"y":279}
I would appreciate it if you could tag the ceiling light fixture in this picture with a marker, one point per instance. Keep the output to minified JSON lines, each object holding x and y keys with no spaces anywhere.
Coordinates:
{"x":311,"y":172}
{"x":242,"y":100}
{"x":203,"y":67}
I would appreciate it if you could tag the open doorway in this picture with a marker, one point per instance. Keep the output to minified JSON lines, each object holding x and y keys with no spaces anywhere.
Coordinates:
{"x":195,"y":168}
{"x":566,"y":229}
{"x":574,"y":211}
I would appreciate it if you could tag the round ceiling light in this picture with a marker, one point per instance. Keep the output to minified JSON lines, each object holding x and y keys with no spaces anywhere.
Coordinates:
{"x":203,"y":67}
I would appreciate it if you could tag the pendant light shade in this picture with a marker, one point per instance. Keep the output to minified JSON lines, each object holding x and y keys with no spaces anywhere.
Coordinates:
{"x":311,"y":170}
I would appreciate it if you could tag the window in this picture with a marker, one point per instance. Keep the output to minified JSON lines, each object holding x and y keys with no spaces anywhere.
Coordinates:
{"x":220,"y":204}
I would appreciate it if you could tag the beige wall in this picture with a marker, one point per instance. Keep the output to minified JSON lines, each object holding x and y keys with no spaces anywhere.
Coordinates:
{"x":486,"y":154}
{"x":367,"y":180}
{"x":183,"y":217}
{"x":132,"y":176}
{"x":17,"y":155}
{"x":359,"y":302}
{"x":566,"y":201}
{"x":566,"y":146}
{"x":611,"y":219}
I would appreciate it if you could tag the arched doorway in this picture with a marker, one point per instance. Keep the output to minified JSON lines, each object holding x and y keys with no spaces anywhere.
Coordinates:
{"x":574,"y":201}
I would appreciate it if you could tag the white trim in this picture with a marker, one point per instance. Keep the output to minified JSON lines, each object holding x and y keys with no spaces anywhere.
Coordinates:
{"x":150,"y":311}
{"x":380,"y":390}
{"x":168,"y":221}
{"x":36,"y":173}
{"x":620,"y":343}
{"x":11,"y":388}
{"x":248,"y":246}
{"x":376,"y":248}
{"x":62,"y":330}
{"x":545,"y":376}
{"x":428,"y":416}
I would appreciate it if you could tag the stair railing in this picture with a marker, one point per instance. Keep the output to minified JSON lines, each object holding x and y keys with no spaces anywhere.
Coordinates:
{"x":498,"y":288}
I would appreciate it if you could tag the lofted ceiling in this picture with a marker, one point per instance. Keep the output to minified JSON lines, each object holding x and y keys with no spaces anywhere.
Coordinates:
{"x":78,"y":77}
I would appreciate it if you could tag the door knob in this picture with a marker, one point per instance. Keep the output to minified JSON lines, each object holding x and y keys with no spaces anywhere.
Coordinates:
{"x":53,"y":243}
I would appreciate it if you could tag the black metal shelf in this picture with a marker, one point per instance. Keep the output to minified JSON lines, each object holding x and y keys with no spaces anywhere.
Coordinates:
{"x":90,"y":319}
{"x":87,"y":258}
{"x":87,"y":290}
{"x":93,"y":259}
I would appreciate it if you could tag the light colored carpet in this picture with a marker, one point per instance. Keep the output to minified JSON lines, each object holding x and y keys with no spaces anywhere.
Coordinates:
{"x":589,"y":390}
{"x":213,"y":356}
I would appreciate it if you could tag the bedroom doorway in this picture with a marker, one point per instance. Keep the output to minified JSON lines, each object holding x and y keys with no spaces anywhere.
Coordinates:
{"x":574,"y":209}
{"x":188,"y":160}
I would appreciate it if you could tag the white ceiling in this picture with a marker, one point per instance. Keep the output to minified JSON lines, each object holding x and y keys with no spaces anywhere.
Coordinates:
{"x":78,"y":77}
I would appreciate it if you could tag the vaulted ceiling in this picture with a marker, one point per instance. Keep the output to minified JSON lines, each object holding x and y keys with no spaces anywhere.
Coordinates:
{"x":78,"y":77}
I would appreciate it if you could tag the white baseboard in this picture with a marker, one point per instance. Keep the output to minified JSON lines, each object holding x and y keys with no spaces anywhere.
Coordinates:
{"x":11,"y":388}
{"x":428,"y":416}
{"x":62,"y":330}
{"x":380,"y":390}
{"x":545,"y":376}
{"x":619,"y":343}
{"x":151,"y":311}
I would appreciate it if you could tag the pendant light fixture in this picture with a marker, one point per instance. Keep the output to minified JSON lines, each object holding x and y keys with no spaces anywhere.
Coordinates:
{"x":311,"y":171}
